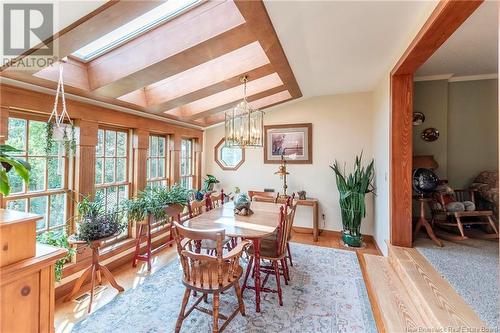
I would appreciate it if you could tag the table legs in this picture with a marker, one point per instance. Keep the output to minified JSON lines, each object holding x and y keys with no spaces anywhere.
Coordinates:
{"x":422,"y":222}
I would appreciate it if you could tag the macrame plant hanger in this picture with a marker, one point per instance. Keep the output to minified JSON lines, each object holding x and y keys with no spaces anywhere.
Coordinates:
{"x":60,"y":128}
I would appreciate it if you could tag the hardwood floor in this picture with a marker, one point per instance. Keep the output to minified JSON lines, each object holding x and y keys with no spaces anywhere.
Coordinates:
{"x":68,"y":313}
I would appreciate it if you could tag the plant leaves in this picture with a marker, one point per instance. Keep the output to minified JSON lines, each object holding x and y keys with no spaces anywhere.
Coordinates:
{"x":4,"y":182}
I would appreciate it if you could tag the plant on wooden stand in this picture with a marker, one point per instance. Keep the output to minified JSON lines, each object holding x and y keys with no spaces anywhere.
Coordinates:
{"x":154,"y":201}
{"x":352,"y":188}
{"x":96,"y":222}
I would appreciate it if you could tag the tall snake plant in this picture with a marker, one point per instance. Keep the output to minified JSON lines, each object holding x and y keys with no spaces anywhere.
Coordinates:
{"x":352,"y":188}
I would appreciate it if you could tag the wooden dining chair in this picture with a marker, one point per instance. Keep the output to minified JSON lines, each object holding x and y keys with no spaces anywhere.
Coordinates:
{"x":290,"y":203}
{"x":174,"y":214}
{"x":214,"y":200}
{"x":273,"y":250}
{"x":208,"y":274}
{"x":195,"y":209}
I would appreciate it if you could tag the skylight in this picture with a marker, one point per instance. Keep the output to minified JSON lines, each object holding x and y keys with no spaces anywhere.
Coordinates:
{"x":134,"y":28}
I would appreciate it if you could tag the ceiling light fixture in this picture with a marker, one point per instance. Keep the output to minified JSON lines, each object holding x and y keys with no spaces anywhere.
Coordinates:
{"x":244,"y":124}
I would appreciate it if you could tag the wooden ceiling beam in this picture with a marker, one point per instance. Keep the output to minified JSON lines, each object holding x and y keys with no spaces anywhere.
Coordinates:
{"x":189,"y":40}
{"x":262,"y":103}
{"x":227,"y":96}
{"x":227,"y":106}
{"x":211,"y":90}
{"x":260,"y":24}
{"x":75,"y":74}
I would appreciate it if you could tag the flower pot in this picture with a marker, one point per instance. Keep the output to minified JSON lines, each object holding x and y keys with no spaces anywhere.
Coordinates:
{"x":352,"y":240}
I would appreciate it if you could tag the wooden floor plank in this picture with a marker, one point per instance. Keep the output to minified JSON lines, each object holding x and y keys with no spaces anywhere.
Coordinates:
{"x":398,"y":313}
{"x":439,"y":303}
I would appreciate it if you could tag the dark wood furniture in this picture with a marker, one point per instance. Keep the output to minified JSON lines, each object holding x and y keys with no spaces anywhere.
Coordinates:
{"x":311,"y":202}
{"x":423,"y":222}
{"x":94,"y":270}
{"x":208,"y":274}
{"x":26,"y":275}
{"x":273,"y":249}
{"x":263,"y":222}
{"x":443,"y":218}
{"x":174,"y":214}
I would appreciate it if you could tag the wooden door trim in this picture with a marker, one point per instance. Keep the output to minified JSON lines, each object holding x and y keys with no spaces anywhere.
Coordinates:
{"x":443,"y":22}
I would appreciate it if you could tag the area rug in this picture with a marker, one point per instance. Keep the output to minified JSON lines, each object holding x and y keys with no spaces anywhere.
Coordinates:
{"x":326,"y":294}
{"x":471,"y":268}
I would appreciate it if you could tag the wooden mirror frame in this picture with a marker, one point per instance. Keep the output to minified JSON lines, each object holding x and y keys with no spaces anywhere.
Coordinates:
{"x":217,"y":159}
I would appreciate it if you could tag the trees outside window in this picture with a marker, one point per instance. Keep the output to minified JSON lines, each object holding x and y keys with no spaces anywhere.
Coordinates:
{"x":186,"y":161}
{"x":47,"y":192}
{"x":157,"y":162}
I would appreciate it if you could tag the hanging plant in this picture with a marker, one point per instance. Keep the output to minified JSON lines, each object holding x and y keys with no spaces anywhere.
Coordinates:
{"x":60,"y":127}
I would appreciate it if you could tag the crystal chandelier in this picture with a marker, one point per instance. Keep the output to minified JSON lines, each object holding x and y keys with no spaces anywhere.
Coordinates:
{"x":244,"y":124}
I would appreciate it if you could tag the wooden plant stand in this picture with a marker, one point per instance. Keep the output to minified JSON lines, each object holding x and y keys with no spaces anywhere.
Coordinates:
{"x":95,"y":270}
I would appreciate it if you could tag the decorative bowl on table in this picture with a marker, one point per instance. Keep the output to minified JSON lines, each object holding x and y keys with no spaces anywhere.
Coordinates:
{"x":242,"y":205}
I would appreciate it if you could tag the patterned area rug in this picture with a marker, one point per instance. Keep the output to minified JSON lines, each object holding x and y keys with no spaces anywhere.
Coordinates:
{"x":326,"y":294}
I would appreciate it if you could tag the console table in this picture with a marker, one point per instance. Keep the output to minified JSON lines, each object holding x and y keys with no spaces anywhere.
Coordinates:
{"x":271,"y":196}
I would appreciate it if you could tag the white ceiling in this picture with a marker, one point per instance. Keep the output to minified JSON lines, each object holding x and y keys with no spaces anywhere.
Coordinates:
{"x":342,"y":46}
{"x":471,"y":50}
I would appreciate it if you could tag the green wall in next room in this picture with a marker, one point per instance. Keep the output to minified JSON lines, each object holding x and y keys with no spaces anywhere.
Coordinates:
{"x":466,"y":115}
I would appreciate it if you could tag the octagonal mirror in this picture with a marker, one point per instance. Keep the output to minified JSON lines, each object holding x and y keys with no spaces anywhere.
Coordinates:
{"x":228,"y":158}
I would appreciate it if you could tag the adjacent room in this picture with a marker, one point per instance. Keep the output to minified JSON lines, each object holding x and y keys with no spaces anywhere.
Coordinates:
{"x":249,"y":166}
{"x":456,"y":137}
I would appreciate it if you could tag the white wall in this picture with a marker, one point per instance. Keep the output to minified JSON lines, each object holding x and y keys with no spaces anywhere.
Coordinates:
{"x":381,"y":138}
{"x":342,"y":128}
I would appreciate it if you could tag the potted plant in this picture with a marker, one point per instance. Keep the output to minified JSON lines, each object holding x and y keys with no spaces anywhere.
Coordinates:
{"x":160,"y":202}
{"x":353,"y":188}
{"x":8,"y":162}
{"x":209,"y":182}
{"x":96,"y":222}
{"x":58,"y":240}
{"x":61,"y":134}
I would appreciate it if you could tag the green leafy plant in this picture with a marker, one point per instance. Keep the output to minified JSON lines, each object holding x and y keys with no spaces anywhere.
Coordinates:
{"x":97,"y":222}
{"x":68,"y":140}
{"x":208,"y":182}
{"x":8,"y":162}
{"x":59,"y":240}
{"x":352,"y":188}
{"x":154,"y":200}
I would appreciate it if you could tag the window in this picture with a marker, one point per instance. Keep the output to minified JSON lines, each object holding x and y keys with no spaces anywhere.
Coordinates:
{"x":186,"y":160}
{"x":46,"y":193}
{"x":111,"y":170}
{"x":229,"y":158}
{"x":134,"y":28}
{"x":157,"y":161}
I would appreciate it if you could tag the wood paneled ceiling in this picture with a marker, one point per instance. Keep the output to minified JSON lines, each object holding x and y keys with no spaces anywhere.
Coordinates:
{"x":186,"y":69}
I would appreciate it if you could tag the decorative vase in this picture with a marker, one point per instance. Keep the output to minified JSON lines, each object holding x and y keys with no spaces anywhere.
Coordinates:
{"x":351,"y":222}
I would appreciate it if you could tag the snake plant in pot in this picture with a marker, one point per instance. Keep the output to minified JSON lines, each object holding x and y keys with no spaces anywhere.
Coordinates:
{"x":353,"y":188}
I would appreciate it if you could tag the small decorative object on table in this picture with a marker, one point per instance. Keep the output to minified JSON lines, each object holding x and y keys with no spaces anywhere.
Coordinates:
{"x":302,"y":195}
{"x":242,"y":205}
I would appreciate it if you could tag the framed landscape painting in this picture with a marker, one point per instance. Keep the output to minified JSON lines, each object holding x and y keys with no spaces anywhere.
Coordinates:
{"x":292,"y":141}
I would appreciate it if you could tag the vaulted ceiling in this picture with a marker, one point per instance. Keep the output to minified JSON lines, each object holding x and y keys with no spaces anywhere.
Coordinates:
{"x":187,"y":68}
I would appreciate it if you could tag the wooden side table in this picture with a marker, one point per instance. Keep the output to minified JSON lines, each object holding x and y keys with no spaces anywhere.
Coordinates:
{"x":95,"y":270}
{"x":422,"y":221}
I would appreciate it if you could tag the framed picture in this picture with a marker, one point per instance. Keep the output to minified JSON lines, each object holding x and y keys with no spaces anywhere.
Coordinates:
{"x":292,"y":141}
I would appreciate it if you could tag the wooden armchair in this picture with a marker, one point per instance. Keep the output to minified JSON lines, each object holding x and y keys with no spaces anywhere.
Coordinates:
{"x":443,"y":217}
{"x":208,"y":274}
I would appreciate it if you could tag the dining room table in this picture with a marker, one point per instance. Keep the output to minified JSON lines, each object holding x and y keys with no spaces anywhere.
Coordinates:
{"x":261,"y":223}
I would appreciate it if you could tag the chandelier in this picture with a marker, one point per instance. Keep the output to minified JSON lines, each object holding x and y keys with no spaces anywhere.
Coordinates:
{"x":244,"y":124}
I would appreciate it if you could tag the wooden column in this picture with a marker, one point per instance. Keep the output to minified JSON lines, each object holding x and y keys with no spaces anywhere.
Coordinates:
{"x":140,"y":155}
{"x":198,"y":160}
{"x":401,"y":157}
{"x":4,"y":133}
{"x":85,"y":159}
{"x":175,"y":153}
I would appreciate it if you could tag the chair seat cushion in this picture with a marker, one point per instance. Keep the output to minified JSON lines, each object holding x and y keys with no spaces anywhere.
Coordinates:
{"x":228,"y":277}
{"x":268,"y":248}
